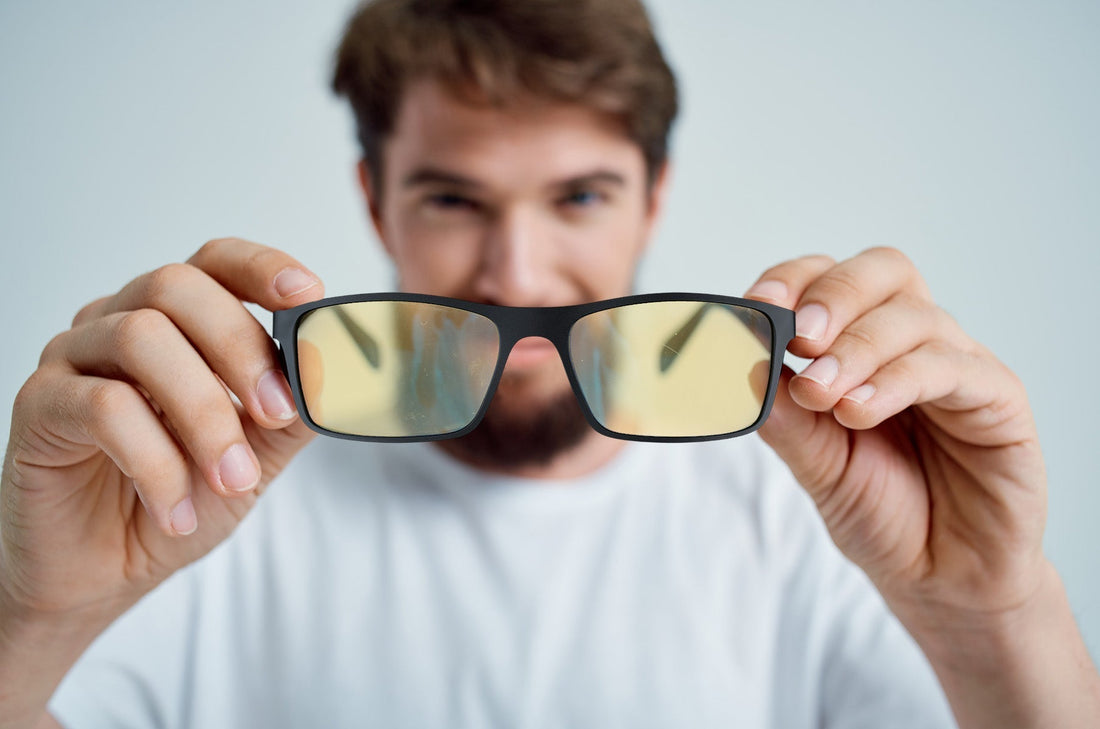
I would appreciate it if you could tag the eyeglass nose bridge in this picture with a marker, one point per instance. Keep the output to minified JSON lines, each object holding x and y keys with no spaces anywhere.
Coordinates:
{"x":550,"y":323}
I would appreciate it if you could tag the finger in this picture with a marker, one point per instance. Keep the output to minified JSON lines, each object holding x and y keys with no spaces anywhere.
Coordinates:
{"x":275,"y":448}
{"x":146,"y":349}
{"x":116,"y":418}
{"x":814,"y":445}
{"x":783,"y":284}
{"x":233,"y":343}
{"x":880,"y":336}
{"x":830,"y":302}
{"x":927,"y":373}
{"x":90,"y":311}
{"x":251,"y":271}
{"x":968,"y":393}
{"x":258,"y":273}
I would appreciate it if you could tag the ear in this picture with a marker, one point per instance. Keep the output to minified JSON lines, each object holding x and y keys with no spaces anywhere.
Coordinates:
{"x":370,"y":197}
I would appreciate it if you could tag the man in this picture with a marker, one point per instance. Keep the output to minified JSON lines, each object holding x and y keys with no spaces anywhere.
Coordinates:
{"x":534,"y":573}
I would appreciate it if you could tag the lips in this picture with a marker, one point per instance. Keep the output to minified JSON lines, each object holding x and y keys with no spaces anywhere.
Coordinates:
{"x":531,"y":352}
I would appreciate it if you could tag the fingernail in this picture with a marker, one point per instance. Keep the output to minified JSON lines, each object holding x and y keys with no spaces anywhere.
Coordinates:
{"x":822,"y":370}
{"x":811,"y":321}
{"x":291,"y":281}
{"x":861,"y":394}
{"x":274,"y":396}
{"x":183,"y":519}
{"x":771,"y":290}
{"x":236,"y":469}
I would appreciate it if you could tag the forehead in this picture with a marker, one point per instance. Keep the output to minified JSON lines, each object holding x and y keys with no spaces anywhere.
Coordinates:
{"x":529,"y":141}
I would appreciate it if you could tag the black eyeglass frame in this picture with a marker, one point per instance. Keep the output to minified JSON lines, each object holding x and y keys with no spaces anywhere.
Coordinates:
{"x":514,"y":323}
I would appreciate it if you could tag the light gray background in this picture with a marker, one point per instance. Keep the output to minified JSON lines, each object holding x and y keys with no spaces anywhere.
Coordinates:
{"x":963,"y":133}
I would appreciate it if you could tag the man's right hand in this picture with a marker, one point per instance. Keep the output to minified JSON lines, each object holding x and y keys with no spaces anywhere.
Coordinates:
{"x":128,"y":457}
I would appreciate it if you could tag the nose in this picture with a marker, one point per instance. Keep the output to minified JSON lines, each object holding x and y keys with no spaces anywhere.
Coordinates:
{"x":516,"y":263}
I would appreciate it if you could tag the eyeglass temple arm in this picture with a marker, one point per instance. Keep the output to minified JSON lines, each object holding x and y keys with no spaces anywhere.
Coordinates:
{"x":365,"y":342}
{"x":675,"y":344}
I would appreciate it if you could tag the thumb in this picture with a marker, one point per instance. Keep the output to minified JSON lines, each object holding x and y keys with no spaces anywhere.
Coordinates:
{"x":275,"y":448}
{"x":814,"y":445}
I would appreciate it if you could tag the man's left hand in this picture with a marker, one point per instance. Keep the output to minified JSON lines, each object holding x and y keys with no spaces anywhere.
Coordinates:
{"x":916,"y":443}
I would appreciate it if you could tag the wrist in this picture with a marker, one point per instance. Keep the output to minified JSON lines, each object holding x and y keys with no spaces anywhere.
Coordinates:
{"x":1023,"y":666}
{"x":37,"y":649}
{"x":950,"y":632}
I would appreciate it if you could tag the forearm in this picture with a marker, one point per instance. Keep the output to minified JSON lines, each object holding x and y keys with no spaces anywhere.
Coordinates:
{"x":1029,"y":669}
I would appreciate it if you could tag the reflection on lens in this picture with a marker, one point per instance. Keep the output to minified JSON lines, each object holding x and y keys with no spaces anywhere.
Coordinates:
{"x":673,"y":368}
{"x":395,"y":368}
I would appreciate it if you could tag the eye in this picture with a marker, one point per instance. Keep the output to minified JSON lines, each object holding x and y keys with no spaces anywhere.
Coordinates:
{"x":583,"y":198}
{"x":451,"y":201}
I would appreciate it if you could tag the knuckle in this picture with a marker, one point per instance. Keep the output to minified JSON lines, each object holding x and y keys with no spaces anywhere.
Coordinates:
{"x":923,"y":313}
{"x":29,"y":394}
{"x":856,"y":339}
{"x":158,"y":285}
{"x":905,"y":370}
{"x":941,"y":350}
{"x":139,"y":324}
{"x":133,"y":331}
{"x":207,"y":412}
{"x":841,"y":284}
{"x":946,"y":327}
{"x":799,"y":267}
{"x":1016,"y":386}
{"x":267,"y":260}
{"x":889,"y":253}
{"x":208,"y":416}
{"x":211,"y":424}
{"x":233,"y":351}
{"x":87,"y":311}
{"x":914,"y":303}
{"x":54,"y":350}
{"x":777,"y":272}
{"x":159,"y":468}
{"x":108,"y":401}
{"x":215,"y":247}
{"x":897,"y":259}
{"x":929,"y":316}
{"x":816,"y":260}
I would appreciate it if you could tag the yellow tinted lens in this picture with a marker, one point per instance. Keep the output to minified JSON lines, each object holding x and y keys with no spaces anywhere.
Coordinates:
{"x":673,"y":368}
{"x":395,"y":368}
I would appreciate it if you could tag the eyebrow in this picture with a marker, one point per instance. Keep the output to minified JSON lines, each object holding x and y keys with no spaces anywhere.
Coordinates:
{"x":606,"y":177}
{"x":435,"y":176}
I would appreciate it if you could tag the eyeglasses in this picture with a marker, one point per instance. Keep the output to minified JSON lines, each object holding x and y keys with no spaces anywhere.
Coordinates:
{"x":656,"y":367}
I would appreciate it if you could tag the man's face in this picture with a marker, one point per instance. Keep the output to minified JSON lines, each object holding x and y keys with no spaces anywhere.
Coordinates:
{"x":544,"y":205}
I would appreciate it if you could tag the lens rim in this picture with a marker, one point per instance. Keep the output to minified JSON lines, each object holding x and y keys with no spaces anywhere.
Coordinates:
{"x":698,"y":299}
{"x":515,"y":323}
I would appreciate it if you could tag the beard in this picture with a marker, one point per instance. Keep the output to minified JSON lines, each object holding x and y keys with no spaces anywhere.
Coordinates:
{"x":510,"y":438}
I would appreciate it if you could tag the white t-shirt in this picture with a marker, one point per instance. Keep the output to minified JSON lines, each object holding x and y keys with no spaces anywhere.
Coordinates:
{"x":683,"y":585}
